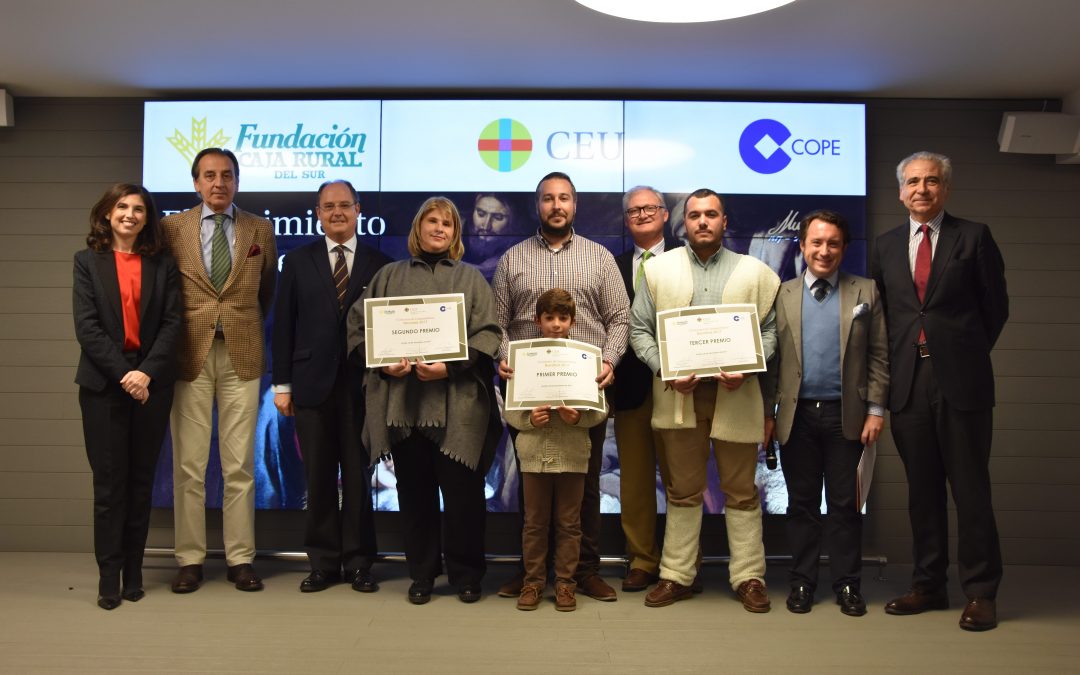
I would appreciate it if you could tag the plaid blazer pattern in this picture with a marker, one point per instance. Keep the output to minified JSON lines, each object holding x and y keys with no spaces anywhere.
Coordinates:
{"x":241,"y":306}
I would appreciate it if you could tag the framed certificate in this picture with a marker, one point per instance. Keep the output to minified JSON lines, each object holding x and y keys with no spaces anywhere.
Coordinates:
{"x":707,"y":339}
{"x":554,"y":372}
{"x":425,"y":327}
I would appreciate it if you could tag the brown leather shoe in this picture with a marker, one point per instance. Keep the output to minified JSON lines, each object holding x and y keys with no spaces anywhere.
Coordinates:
{"x":529,"y":597}
{"x":564,"y":598}
{"x":667,"y":592}
{"x":979,"y":614}
{"x":638,"y":580}
{"x":188,"y":578}
{"x":512,"y":588}
{"x":244,"y":577}
{"x":597,"y":589}
{"x":754,"y":596}
{"x":916,"y":602}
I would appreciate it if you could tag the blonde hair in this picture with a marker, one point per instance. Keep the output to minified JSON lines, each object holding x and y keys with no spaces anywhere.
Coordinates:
{"x":457,"y":249}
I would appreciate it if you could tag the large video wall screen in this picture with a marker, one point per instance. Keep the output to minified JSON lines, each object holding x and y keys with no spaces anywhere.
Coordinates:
{"x":774,"y":162}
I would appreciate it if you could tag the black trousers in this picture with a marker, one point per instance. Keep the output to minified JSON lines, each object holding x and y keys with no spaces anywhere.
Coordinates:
{"x":422,"y":470}
{"x":939,"y":443}
{"x":329,"y":434}
{"x":123,"y":439}
{"x":817,"y":452}
{"x":589,"y":555}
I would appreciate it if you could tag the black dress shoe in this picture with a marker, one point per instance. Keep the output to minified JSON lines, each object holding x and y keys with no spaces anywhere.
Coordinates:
{"x":916,"y":601}
{"x":469,"y":593}
{"x":187,"y":579}
{"x":362,"y":581}
{"x":244,"y":577}
{"x":319,"y":580}
{"x":979,"y":614}
{"x":108,"y":601}
{"x":800,"y":600}
{"x":420,"y":592}
{"x":133,"y":594}
{"x":850,"y":601}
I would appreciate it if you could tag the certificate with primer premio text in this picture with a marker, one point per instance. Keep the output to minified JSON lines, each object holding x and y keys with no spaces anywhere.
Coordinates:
{"x":707,"y":339}
{"x":428,"y":328}
{"x":554,"y":372}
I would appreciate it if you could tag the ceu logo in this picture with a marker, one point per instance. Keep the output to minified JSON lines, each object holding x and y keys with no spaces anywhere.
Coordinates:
{"x":189,"y":146}
{"x":735,"y":318}
{"x":584,"y":356}
{"x":442,"y":308}
{"x":759,"y":146}
{"x":505,"y":145}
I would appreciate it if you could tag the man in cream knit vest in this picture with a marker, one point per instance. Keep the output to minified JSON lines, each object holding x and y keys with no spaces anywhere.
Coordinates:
{"x":690,"y":412}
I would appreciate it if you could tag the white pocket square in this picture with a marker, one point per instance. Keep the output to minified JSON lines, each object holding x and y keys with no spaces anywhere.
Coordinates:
{"x":859,"y":310}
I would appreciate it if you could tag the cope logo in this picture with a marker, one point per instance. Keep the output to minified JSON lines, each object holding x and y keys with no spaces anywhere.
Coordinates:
{"x":505,"y":145}
{"x":761,"y":146}
{"x":189,"y":146}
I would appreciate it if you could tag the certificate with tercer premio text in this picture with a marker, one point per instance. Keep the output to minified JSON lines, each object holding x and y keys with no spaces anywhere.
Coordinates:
{"x":708,"y":339}
{"x":554,"y":372}
{"x":428,"y":328}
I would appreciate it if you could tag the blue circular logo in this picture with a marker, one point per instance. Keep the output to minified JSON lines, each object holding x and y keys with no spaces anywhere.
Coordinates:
{"x":759,"y":146}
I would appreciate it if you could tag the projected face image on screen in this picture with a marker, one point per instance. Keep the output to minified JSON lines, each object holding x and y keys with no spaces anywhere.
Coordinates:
{"x":773,"y":162}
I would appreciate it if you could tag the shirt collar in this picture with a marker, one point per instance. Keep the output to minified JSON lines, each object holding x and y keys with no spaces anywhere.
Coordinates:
{"x":713,"y":259}
{"x":934,"y":223}
{"x":656,"y":250}
{"x":350,"y":245}
{"x":544,"y":242}
{"x":809,"y":278}
{"x":208,"y":212}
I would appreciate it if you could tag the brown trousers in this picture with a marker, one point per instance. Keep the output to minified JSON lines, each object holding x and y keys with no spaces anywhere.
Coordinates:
{"x":547,"y":495}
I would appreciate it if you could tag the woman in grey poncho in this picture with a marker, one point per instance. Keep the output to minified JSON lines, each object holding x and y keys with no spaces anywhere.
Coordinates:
{"x":437,"y":420}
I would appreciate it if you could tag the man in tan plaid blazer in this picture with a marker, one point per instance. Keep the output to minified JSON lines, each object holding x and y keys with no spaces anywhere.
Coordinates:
{"x":228,"y":265}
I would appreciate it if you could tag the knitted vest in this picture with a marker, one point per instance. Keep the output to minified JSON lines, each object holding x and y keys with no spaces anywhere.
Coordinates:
{"x":739,"y":416}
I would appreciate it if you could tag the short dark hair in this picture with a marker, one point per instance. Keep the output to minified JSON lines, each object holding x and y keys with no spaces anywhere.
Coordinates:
{"x":100,"y":238}
{"x":702,"y":193}
{"x":214,"y":151}
{"x":337,"y":181}
{"x":555,"y":301}
{"x":560,"y":175}
{"x":831,"y":217}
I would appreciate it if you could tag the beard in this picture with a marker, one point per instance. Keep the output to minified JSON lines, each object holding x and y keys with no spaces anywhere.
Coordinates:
{"x":555,"y":231}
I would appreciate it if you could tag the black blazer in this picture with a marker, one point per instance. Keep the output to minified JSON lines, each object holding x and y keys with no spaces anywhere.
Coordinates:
{"x":309,"y":332}
{"x":633,"y":380}
{"x":965,"y":308}
{"x":99,"y":321}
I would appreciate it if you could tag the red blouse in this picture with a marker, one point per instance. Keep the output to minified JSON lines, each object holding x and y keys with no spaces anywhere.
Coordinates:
{"x":129,"y":274}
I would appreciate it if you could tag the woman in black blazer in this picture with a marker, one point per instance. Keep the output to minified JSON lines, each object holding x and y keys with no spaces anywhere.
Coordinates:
{"x":127,"y":310}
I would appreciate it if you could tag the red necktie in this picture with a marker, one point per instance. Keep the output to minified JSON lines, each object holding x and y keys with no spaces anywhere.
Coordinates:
{"x":922,"y":269}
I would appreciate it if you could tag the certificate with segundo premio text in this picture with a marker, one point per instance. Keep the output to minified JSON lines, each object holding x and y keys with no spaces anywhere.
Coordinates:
{"x":707,"y":339}
{"x":554,"y":372}
{"x":428,"y":328}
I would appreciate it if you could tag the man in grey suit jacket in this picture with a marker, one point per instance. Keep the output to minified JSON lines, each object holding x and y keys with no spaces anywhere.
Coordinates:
{"x":828,"y":384}
{"x":942,"y":280}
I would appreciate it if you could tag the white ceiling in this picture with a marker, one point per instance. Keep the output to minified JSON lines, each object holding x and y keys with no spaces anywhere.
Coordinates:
{"x":874,"y":48}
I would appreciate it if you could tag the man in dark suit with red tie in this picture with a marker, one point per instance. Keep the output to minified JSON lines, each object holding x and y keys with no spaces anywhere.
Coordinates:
{"x":314,"y":381}
{"x":942,"y":282}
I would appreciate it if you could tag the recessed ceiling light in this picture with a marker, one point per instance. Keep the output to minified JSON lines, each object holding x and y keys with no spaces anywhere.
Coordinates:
{"x":682,"y":11}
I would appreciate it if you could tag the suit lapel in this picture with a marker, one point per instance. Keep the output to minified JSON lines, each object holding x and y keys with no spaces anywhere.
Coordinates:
{"x":792,"y":299}
{"x":320,"y":267}
{"x":356,"y":286}
{"x":105,"y":262}
{"x":849,"y":297}
{"x":149,"y":277}
{"x":942,"y":254}
{"x":244,"y":234}
{"x":190,"y":239}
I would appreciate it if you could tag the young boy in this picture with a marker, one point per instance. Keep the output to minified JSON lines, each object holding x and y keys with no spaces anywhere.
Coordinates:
{"x":553,"y":450}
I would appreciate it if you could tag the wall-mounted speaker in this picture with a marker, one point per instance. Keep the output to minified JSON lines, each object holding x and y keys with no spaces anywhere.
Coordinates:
{"x":1039,"y":133}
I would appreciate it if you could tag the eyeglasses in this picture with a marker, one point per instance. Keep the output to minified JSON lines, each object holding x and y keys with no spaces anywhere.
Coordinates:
{"x":638,"y":211}
{"x":330,"y":207}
